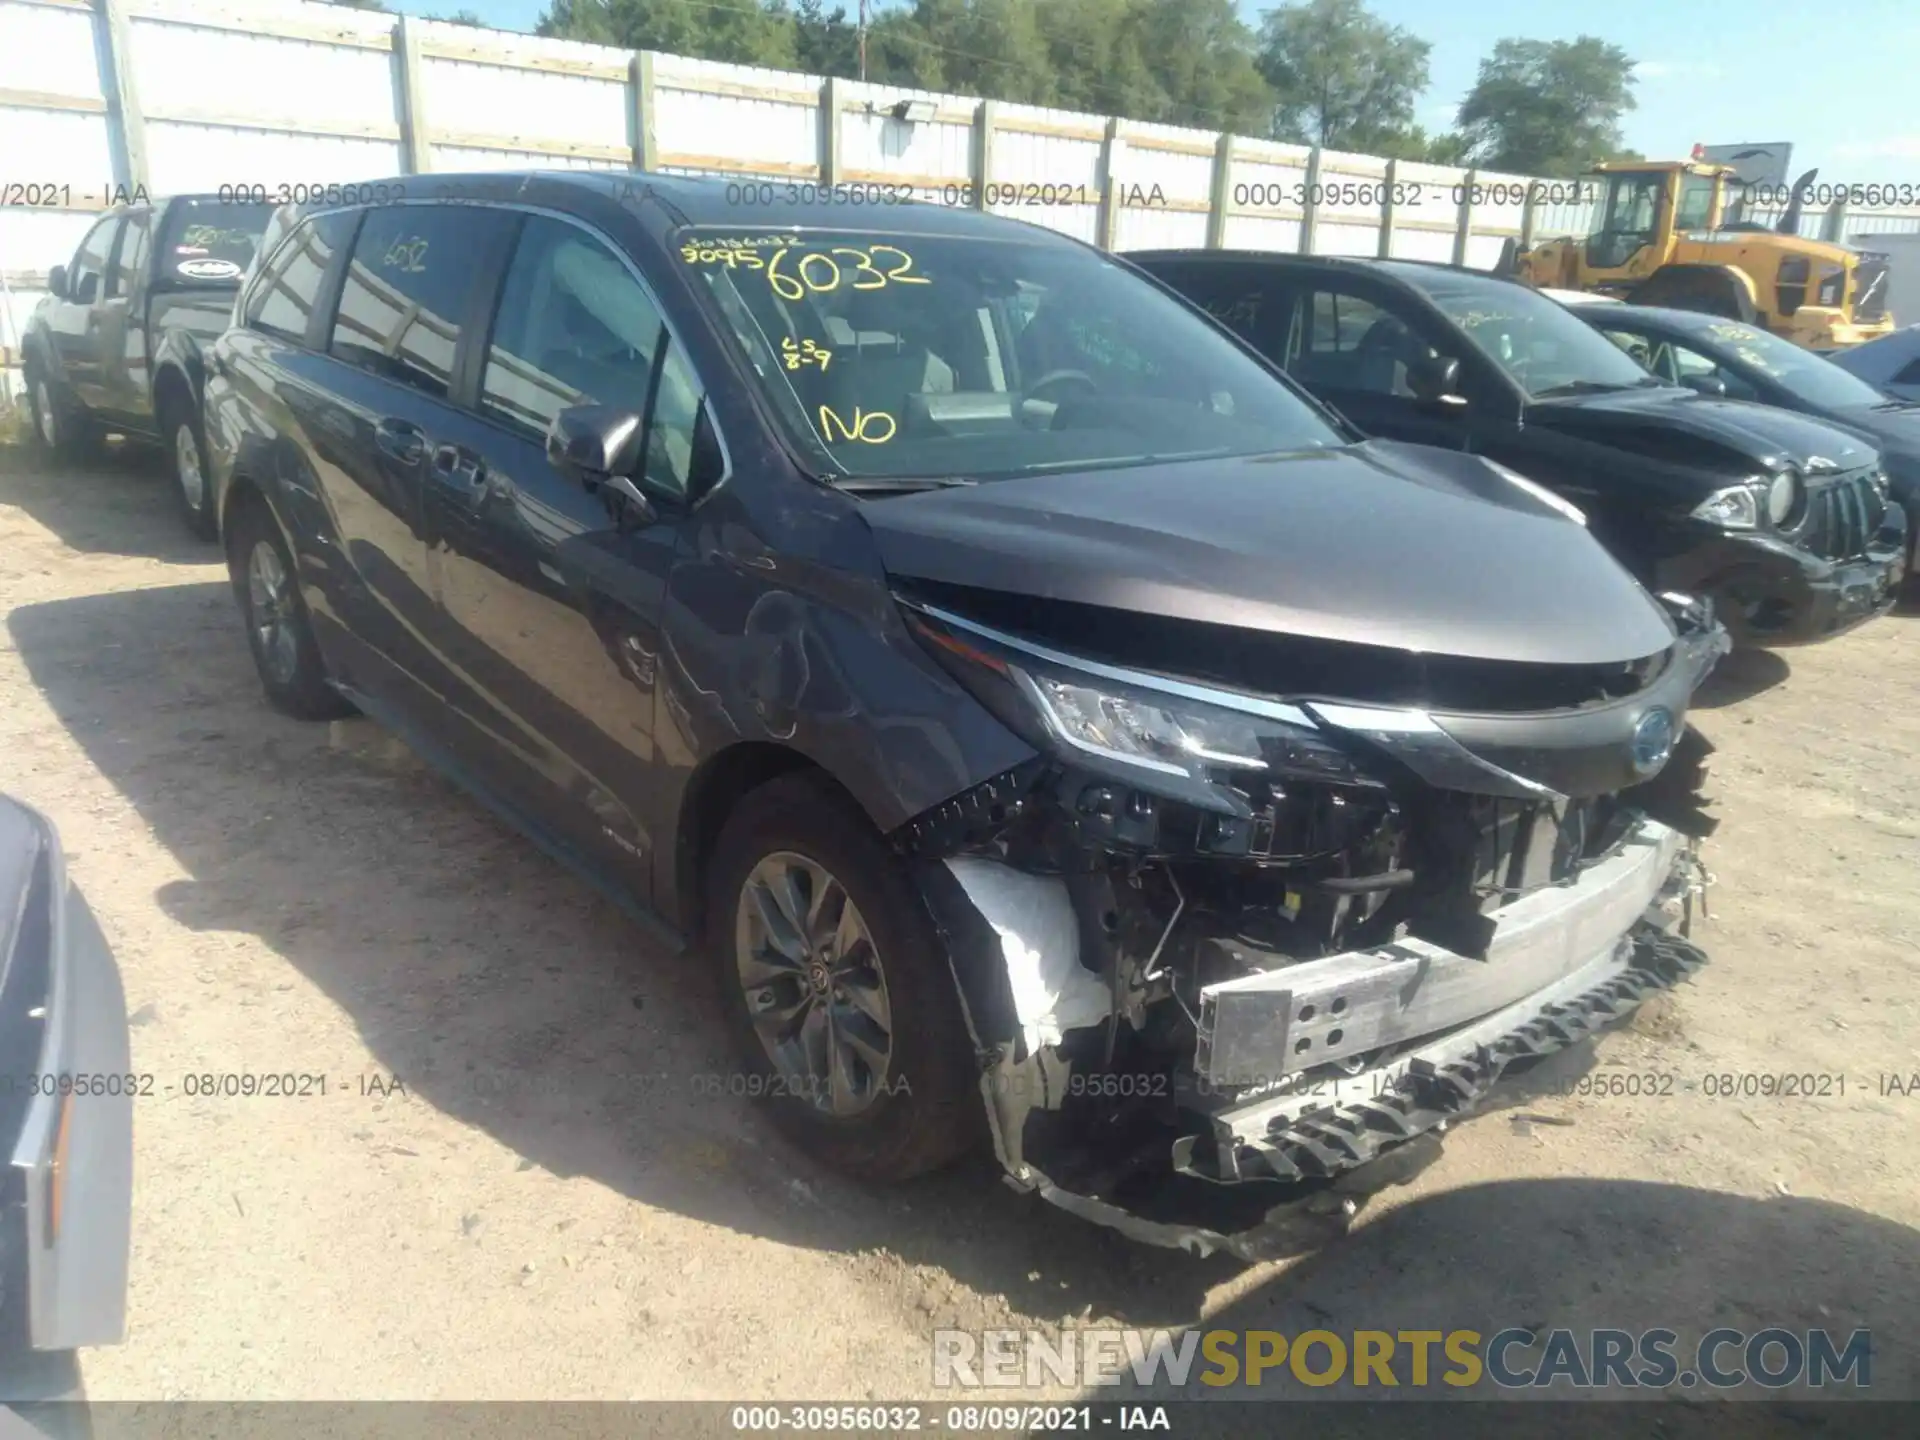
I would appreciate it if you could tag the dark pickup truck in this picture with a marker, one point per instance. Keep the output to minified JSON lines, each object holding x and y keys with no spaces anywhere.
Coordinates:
{"x":116,"y":344}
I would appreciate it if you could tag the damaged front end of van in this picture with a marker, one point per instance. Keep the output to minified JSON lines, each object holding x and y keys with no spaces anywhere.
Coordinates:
{"x":1269,"y":909}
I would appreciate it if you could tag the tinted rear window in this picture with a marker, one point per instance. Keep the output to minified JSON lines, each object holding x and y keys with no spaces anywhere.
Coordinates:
{"x":207,"y":243}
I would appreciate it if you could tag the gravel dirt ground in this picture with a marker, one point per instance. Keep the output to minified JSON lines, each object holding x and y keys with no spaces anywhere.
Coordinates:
{"x":549,"y":1204}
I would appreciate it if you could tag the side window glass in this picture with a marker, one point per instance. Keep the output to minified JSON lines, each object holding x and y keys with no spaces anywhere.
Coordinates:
{"x":1634,"y":345}
{"x":406,"y":292}
{"x":573,"y":327}
{"x":1352,"y":343}
{"x":90,"y":262}
{"x":1909,"y":374}
{"x":671,"y":428}
{"x":1696,"y":203}
{"x":1234,"y":298}
{"x":1691,"y":364}
{"x":282,"y":298}
{"x":125,"y":273}
{"x":1660,"y":360}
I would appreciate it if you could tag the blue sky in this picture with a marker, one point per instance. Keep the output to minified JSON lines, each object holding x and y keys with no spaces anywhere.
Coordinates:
{"x":1834,"y":79}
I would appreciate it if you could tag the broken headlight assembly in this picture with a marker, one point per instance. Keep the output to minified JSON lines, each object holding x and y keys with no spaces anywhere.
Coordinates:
{"x":1152,"y":733}
{"x":1739,"y":507}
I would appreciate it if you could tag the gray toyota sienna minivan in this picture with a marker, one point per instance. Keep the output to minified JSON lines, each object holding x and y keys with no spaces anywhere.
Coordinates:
{"x":1055,"y":729}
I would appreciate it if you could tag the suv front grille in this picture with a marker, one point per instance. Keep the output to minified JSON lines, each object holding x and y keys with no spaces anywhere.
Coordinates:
{"x":1841,"y":517}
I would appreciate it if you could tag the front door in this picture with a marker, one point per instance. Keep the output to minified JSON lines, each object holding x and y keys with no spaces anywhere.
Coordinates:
{"x":1626,"y":244}
{"x":126,"y":383}
{"x":551,"y":595}
{"x":73,"y":323}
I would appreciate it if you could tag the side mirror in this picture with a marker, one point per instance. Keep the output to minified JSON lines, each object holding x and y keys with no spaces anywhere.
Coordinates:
{"x":1434,"y":378}
{"x":57,"y":282}
{"x":1705,"y":384}
{"x":597,"y":446}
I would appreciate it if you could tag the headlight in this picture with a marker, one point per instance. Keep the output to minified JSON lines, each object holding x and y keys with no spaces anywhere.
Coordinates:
{"x":1783,"y":497}
{"x":1171,"y":741}
{"x":1734,"y":508}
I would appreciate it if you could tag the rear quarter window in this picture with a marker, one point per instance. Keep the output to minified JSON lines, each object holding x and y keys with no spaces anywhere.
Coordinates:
{"x":281,"y":298}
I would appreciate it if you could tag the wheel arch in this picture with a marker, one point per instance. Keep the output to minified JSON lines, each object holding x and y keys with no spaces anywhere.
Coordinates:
{"x":243,"y":491}
{"x":712,"y":792}
{"x":173,"y":385}
{"x":1727,"y":290}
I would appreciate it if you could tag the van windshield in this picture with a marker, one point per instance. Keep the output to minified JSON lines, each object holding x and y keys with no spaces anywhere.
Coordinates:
{"x":912,"y":355}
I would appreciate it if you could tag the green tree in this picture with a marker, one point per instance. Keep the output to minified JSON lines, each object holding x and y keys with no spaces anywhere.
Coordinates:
{"x":825,"y":43}
{"x":1341,"y":76}
{"x":1449,"y":147}
{"x":740,"y":32}
{"x":1187,"y":62}
{"x":1548,"y":107}
{"x":461,"y":17}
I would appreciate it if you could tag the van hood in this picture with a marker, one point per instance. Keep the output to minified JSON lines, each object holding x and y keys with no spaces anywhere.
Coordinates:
{"x":1671,"y":423}
{"x":1381,"y":544}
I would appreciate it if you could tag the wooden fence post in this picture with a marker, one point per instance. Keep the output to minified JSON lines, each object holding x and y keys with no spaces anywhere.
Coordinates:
{"x":1220,"y":193}
{"x":415,"y":148}
{"x":985,"y":116}
{"x":1107,"y":221}
{"x":1389,"y":210}
{"x":830,"y":131}
{"x":1463,"y":218}
{"x":646,"y":141}
{"x":1310,"y":210}
{"x":127,"y":130}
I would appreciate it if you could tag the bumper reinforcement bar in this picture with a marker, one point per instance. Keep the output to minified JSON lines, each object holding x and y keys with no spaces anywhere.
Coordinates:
{"x":1437,"y":1083}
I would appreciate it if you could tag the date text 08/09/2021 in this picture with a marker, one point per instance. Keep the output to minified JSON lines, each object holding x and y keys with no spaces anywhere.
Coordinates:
{"x":1010,"y":1418}
{"x":1594,"y":1085}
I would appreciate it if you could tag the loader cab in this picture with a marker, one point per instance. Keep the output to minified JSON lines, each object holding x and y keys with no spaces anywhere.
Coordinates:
{"x":1640,"y":209}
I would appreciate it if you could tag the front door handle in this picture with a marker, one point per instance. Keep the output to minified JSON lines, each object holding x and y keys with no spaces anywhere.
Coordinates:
{"x":401,"y":440}
{"x":459,"y":466}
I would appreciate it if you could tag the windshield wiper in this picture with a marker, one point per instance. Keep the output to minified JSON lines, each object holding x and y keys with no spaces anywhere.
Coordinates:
{"x":897,"y":484}
{"x":1589,"y":387}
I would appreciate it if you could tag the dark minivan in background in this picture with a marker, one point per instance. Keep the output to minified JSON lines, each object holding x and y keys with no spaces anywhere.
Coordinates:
{"x":116,"y":345}
{"x":1783,"y":521}
{"x":1051,"y":726}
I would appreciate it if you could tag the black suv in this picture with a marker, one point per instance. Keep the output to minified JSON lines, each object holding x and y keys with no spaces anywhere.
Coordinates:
{"x":1049,"y":722}
{"x":1782,"y":520}
{"x":1718,"y":356}
{"x":116,"y":345}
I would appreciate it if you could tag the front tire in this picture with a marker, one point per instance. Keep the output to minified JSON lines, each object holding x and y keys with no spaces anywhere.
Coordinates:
{"x":187,"y":456}
{"x":279,"y":630}
{"x":836,"y":986}
{"x":60,"y":428}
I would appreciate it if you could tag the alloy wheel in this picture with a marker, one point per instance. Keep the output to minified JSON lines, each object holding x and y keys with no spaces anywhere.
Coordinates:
{"x":815,"y":987}
{"x":186,"y":463}
{"x":270,"y":612}
{"x":43,"y":415}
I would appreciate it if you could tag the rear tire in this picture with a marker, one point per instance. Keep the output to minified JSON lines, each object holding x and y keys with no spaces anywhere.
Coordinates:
{"x":279,"y":630}
{"x":187,"y":458}
{"x":876,"y":954}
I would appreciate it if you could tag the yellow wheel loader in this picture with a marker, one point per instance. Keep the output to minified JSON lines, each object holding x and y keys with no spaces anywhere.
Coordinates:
{"x":1675,"y":233}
